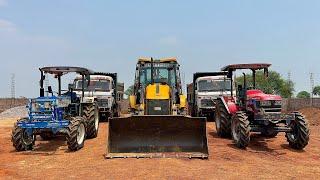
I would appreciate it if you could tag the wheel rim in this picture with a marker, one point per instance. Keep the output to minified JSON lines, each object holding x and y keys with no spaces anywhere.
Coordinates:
{"x":235,"y":130}
{"x":26,"y":138}
{"x":80,"y":133}
{"x":293,"y":135}
{"x":96,"y":121}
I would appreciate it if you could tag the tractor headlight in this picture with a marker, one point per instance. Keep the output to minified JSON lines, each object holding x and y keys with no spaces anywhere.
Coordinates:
{"x":35,"y":106}
{"x":265,"y":103}
{"x":277,"y":103}
{"x":47,"y":105}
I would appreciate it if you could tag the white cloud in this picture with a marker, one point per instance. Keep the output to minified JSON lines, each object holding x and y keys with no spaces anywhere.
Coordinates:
{"x":169,"y":40}
{"x":7,"y":25}
{"x":3,"y":3}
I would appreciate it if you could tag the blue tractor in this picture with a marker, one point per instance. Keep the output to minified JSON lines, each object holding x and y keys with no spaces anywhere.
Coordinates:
{"x":57,"y":113}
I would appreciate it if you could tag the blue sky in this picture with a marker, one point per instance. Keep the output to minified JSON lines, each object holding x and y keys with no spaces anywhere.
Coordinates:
{"x":110,"y":35}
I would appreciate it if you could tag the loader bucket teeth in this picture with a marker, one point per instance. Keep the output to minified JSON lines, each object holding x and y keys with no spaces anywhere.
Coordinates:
{"x":157,"y":137}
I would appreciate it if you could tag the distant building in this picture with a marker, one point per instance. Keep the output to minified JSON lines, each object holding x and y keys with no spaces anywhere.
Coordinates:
{"x":120,"y":93}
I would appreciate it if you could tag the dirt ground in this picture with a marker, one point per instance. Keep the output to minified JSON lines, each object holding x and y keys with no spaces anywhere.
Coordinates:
{"x":312,"y":114}
{"x":264,"y":159}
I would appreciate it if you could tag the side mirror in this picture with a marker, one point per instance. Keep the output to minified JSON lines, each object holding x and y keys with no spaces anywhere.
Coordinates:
{"x":50,"y":89}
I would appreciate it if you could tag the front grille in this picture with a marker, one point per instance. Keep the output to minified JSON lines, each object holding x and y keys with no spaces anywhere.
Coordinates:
{"x":272,"y":108}
{"x":207,"y":103}
{"x":103,"y":102}
{"x":158,"y":107}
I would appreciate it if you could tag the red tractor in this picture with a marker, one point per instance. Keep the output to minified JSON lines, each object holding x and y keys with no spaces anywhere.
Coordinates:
{"x":251,"y":110}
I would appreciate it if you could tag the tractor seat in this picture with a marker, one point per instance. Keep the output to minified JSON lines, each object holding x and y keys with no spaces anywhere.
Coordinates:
{"x":73,"y":96}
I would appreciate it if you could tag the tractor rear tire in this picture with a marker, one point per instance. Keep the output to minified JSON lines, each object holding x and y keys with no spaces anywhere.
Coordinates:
{"x":299,"y":137}
{"x":20,"y":140}
{"x":76,"y":133}
{"x":222,"y":121}
{"x":240,"y":130}
{"x":47,"y":136}
{"x":91,"y":114}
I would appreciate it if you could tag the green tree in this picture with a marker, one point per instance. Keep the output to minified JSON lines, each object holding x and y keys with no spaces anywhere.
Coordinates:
{"x":129,"y":91}
{"x":274,"y":84}
{"x":303,"y":94}
{"x":287,"y":89}
{"x":316,"y":91}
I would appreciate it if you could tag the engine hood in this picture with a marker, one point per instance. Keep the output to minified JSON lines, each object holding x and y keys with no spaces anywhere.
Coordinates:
{"x":259,"y":95}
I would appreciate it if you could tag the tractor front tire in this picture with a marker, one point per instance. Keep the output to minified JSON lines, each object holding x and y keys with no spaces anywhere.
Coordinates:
{"x":20,"y":139}
{"x":91,"y":114}
{"x":240,"y":130}
{"x":222,"y":121}
{"x":298,"y":138}
{"x":76,"y":133}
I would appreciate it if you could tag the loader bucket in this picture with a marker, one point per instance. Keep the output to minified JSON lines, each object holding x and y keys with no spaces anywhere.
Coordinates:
{"x":157,"y":137}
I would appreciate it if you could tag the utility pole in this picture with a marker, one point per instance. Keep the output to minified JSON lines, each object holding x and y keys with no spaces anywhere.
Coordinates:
{"x":312,"y":86}
{"x":289,"y":80}
{"x":289,"y":98}
{"x":289,"y":76}
{"x":13,"y":90}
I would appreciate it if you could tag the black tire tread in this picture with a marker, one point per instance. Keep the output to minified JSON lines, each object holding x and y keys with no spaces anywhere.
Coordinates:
{"x":16,"y":138}
{"x":89,"y":115}
{"x":304,"y":133}
{"x":244,"y":123}
{"x":72,"y":133}
{"x":225,"y":121}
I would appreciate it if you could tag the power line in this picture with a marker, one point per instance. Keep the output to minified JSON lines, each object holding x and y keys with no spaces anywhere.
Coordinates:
{"x":312,"y":87}
{"x":289,"y":81}
{"x":13,"y":89}
{"x":312,"y":83}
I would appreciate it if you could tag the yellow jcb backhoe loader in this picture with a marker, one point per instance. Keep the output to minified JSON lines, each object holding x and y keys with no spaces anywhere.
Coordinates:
{"x":158,"y":126}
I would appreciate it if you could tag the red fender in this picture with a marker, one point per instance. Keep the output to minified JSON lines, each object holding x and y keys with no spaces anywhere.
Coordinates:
{"x":229,"y":104}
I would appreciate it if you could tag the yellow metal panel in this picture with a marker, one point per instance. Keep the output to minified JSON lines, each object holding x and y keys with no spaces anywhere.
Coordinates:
{"x":166,"y":60}
{"x":157,"y":91}
{"x":183,"y":101}
{"x":132,"y":100}
{"x":162,"y":60}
